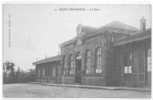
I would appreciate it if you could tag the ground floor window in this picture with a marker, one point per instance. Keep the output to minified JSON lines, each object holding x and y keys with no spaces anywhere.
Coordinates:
{"x":72,"y":65}
{"x":53,"y":72}
{"x":38,"y":72}
{"x":128,"y":63}
{"x":149,"y":60}
{"x":88,"y":62}
{"x":43,"y":72}
{"x":99,"y":60}
{"x":66,"y":65}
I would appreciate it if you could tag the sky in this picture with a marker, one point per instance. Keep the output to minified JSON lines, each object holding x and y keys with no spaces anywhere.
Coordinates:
{"x":37,"y":30}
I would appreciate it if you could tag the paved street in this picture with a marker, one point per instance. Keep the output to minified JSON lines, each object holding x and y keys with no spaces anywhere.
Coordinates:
{"x":40,"y":91}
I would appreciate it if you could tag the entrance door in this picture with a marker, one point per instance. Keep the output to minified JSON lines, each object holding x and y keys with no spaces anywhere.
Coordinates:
{"x":78,"y":69}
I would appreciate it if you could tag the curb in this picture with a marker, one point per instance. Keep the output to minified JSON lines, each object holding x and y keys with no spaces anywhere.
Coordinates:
{"x":96,"y":87}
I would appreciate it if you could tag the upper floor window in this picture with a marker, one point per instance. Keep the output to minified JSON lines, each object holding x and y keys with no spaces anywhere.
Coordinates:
{"x":72,"y":65}
{"x":88,"y":62}
{"x":99,"y":60}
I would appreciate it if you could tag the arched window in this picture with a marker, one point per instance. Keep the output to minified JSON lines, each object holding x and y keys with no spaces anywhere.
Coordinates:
{"x":88,"y":62}
{"x":99,"y":60}
{"x":72,"y":65}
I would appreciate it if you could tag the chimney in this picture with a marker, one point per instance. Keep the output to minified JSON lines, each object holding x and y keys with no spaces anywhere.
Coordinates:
{"x":79,"y":29}
{"x":142,"y":24}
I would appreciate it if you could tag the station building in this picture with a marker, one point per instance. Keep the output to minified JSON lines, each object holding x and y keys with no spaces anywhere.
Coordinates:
{"x":113,"y":55}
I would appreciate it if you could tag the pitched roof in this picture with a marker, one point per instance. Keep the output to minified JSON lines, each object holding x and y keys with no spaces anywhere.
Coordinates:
{"x":120,"y":25}
{"x":113,"y":27}
{"x":88,"y":29}
{"x":46,"y":60}
{"x":137,"y":37}
{"x":68,"y":42}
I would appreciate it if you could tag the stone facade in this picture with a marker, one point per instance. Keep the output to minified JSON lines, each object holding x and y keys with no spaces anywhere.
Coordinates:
{"x":101,"y":56}
{"x":90,"y":42}
{"x":138,"y":53}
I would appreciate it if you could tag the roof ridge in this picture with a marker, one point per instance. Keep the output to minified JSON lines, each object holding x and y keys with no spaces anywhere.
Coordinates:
{"x":119,"y":24}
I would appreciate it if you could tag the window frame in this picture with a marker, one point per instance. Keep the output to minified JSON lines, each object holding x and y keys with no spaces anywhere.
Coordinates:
{"x":66,"y":65}
{"x":88,"y":65}
{"x":128,"y":59}
{"x":149,"y":60}
{"x":72,"y":65}
{"x":98,"y":62}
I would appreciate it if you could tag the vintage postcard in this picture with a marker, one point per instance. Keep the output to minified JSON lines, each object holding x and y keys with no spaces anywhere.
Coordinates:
{"x":77,"y":50}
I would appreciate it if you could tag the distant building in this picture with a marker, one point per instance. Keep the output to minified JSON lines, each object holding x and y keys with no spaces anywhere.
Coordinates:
{"x":115,"y":54}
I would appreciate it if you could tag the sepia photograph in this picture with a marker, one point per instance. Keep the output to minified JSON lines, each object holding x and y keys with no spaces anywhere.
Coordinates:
{"x":76,"y":50}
